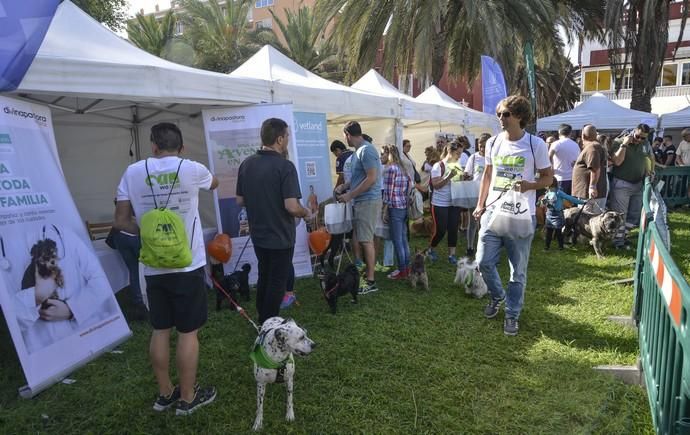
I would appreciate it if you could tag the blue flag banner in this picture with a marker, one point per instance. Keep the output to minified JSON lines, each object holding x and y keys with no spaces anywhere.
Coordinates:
{"x":493,"y":84}
{"x":23,"y":24}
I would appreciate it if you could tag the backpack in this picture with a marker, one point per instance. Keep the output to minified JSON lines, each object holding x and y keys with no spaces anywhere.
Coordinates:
{"x":163,"y":236}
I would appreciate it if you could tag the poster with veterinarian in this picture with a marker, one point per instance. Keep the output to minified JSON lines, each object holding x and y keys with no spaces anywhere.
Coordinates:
{"x":233,"y":134}
{"x":58,"y":304}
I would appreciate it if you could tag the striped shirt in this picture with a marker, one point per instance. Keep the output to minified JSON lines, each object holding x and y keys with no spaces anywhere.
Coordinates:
{"x":395,"y":187}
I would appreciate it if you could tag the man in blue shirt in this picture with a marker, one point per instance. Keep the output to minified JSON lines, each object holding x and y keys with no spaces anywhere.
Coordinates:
{"x":364,"y":189}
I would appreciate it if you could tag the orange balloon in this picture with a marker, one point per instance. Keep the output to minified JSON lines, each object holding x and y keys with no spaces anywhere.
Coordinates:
{"x":319,"y":240}
{"x":220,"y":248}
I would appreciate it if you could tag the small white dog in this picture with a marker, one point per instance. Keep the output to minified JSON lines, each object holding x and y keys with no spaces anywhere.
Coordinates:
{"x":468,"y":275}
{"x":272,"y":354}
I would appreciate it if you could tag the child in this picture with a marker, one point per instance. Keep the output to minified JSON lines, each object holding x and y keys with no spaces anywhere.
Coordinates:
{"x":553,"y":200}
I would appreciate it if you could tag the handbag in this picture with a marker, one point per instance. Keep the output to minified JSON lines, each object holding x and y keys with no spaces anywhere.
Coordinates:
{"x":464,"y":193}
{"x":338,"y":217}
{"x":415,"y":203}
{"x":511,"y":216}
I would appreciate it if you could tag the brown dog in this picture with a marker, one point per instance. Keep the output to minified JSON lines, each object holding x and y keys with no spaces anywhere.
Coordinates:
{"x":422,"y":227}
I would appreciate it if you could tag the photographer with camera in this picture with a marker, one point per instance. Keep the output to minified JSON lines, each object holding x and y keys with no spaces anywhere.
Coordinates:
{"x":632,"y":161}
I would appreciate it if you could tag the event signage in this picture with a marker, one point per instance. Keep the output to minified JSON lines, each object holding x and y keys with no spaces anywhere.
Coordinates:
{"x":58,"y":304}
{"x":232,"y":135}
{"x":313,"y":160}
{"x":493,"y":85}
{"x":23,"y":25}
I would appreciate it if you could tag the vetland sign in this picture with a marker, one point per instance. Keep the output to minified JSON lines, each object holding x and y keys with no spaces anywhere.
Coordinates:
{"x":41,"y":119}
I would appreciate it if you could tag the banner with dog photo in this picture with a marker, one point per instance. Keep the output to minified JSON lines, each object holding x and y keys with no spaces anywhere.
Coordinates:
{"x":58,"y":304}
{"x":233,"y":134}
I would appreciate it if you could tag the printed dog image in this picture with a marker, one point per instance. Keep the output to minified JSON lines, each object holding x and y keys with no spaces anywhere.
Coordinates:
{"x":422,"y":227}
{"x":418,"y":272}
{"x":468,"y":276}
{"x":597,"y":227}
{"x":43,"y":262}
{"x":334,"y":286}
{"x":273,"y":360}
{"x":236,"y":283}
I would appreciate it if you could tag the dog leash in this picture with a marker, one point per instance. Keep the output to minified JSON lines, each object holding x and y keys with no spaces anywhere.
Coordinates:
{"x":238,"y":308}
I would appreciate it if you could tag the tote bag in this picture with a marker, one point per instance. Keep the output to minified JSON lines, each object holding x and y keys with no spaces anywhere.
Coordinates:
{"x":338,"y":217}
{"x":511,"y":216}
{"x":464,"y":193}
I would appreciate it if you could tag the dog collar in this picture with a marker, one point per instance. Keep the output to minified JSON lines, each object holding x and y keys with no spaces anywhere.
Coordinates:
{"x":262,"y":359}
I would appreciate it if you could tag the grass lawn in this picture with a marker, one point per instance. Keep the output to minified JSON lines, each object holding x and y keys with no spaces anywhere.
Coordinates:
{"x":402,"y":361}
{"x":679,"y":223}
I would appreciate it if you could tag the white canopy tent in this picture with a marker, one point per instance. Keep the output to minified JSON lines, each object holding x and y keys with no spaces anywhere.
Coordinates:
{"x":105,"y":93}
{"x":600,"y":112}
{"x":678,"y":119}
{"x":473,"y":121}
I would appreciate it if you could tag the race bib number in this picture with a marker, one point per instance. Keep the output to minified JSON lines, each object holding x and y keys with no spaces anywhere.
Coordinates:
{"x":509,"y":170}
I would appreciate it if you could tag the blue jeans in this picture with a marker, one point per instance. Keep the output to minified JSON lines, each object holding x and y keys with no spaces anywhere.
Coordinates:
{"x":488,"y":255}
{"x":397,"y":220}
{"x":129,"y":247}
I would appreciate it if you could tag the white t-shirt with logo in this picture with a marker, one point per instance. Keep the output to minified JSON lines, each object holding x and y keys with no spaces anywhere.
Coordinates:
{"x":475,"y":166}
{"x":514,"y":161}
{"x":683,"y":151}
{"x":566,"y":152}
{"x":184,"y":199}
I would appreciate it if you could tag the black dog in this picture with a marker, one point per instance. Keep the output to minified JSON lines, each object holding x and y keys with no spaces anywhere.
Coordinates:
{"x":43,"y":261}
{"x":334,"y":286}
{"x":234,"y":283}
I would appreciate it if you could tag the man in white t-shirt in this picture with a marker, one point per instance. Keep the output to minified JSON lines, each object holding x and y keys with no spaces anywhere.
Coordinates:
{"x":683,"y":150}
{"x":563,"y":154}
{"x":511,"y":160}
{"x":177,"y":297}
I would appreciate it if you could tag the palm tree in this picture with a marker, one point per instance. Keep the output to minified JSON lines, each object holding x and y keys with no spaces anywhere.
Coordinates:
{"x":220,"y":35}
{"x":637,"y":32}
{"x":150,"y":34}
{"x":428,"y":36}
{"x":306,"y":45}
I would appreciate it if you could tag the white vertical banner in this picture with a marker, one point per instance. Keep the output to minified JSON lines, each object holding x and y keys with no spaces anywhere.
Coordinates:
{"x":232,"y":135}
{"x":58,"y":304}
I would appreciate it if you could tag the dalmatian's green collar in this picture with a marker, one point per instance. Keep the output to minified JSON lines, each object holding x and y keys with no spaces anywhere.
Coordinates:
{"x":262,"y":359}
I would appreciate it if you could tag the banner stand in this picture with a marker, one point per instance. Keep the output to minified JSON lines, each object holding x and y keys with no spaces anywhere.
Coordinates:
{"x":28,"y":393}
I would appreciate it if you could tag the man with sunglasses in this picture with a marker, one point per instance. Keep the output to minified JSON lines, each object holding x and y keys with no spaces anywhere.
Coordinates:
{"x":632,"y":161}
{"x":512,"y":160}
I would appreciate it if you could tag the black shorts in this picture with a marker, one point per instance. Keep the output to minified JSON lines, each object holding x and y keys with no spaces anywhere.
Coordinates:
{"x":177,"y":299}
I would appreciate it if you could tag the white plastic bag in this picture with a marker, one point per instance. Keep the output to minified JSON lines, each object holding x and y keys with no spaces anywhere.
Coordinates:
{"x":511,"y":216}
{"x":464,"y":193}
{"x":338,"y":218}
{"x":382,"y":230}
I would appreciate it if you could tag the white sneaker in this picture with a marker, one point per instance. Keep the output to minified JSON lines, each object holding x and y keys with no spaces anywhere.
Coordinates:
{"x":393,"y":274}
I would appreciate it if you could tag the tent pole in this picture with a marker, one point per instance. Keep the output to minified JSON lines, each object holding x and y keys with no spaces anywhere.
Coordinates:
{"x":135,"y":133}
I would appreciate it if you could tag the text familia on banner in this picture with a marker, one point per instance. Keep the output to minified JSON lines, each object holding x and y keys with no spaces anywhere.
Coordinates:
{"x":233,"y":134}
{"x":493,"y":84}
{"x":23,"y":24}
{"x":313,"y":161}
{"x":57,"y":301}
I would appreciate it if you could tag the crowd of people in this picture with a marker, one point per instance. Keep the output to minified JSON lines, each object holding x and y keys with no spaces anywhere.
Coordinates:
{"x":590,"y":168}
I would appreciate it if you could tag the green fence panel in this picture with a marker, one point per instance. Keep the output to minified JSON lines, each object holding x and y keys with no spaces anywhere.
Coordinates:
{"x":676,"y":181}
{"x":663,"y":337}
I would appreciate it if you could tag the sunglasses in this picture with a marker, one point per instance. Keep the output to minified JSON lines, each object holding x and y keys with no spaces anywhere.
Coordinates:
{"x":500,"y":115}
{"x":638,"y":137}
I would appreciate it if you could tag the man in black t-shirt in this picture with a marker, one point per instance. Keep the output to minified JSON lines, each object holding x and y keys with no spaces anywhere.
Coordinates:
{"x":267,"y":186}
{"x":669,"y":151}
{"x":341,"y":154}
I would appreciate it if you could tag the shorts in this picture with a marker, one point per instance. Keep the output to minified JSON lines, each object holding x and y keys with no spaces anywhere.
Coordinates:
{"x":364,"y":219}
{"x":177,"y":299}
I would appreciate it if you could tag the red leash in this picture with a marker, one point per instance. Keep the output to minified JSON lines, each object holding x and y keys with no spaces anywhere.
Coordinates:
{"x":238,"y":308}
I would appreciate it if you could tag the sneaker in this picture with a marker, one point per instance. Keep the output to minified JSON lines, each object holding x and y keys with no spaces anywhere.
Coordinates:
{"x":433,"y":256}
{"x":370,"y":287}
{"x":393,"y":274}
{"x":288,"y":300}
{"x":358,"y":264}
{"x":492,"y":307}
{"x":402,"y":275}
{"x":510,"y":326}
{"x":202,"y":396}
{"x":452,"y":259}
{"x":165,"y":402}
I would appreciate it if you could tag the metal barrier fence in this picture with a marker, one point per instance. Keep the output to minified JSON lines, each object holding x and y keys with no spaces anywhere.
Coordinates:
{"x":662,"y":299}
{"x":676,"y":180}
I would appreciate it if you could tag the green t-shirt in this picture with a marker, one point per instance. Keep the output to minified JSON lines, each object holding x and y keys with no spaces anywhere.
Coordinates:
{"x":634,"y":165}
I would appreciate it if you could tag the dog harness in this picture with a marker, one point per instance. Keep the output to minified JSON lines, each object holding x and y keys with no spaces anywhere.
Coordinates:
{"x":469,"y":278}
{"x":262,"y":359}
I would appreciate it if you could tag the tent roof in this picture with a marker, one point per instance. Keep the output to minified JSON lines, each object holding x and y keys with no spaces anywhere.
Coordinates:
{"x":79,"y":57}
{"x":600,"y":112}
{"x":678,"y":119}
{"x":474,"y":119}
{"x":309,"y":92}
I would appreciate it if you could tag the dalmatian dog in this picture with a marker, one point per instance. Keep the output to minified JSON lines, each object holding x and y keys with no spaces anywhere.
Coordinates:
{"x":279,"y":339}
{"x":468,"y":275}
